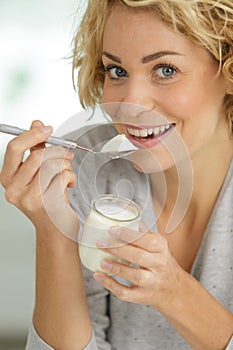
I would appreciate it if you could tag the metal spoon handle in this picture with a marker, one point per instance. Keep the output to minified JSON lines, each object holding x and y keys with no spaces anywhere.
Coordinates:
{"x":52,"y":140}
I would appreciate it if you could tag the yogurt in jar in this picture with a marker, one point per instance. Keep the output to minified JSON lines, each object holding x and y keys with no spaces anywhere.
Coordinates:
{"x":107,"y":211}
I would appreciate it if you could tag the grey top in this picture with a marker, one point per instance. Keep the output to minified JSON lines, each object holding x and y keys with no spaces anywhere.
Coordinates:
{"x":120,"y":325}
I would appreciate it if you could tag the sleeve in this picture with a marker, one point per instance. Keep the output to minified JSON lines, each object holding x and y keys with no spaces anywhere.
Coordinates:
{"x":34,"y":342}
{"x":230,"y":344}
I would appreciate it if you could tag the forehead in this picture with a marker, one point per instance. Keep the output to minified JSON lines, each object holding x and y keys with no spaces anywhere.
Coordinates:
{"x":140,"y":27}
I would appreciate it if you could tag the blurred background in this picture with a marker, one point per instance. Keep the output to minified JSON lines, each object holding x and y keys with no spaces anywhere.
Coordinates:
{"x":35,"y":83}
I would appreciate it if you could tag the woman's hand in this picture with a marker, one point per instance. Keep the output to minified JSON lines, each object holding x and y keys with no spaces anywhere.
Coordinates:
{"x":37,"y":186}
{"x":156,"y":280}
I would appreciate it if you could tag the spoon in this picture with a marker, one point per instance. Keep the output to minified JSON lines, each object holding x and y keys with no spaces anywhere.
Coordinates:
{"x":115,"y":148}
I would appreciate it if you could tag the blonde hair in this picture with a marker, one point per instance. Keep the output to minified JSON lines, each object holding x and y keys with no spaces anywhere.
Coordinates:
{"x":207,"y":23}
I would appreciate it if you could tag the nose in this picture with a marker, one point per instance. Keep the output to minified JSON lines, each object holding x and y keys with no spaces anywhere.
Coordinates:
{"x":137,"y":98}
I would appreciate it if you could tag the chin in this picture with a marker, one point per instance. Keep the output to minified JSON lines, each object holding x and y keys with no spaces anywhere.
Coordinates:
{"x":150,"y":163}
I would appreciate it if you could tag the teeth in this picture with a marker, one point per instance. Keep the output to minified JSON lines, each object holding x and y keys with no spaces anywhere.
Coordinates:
{"x":150,"y":131}
{"x":162,"y":128}
{"x":145,"y":132}
{"x":156,"y":131}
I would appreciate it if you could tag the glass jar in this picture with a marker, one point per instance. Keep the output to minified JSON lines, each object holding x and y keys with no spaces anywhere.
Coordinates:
{"x":107,"y":211}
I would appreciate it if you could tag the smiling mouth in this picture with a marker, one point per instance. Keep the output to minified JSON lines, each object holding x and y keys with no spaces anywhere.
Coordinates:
{"x":149,"y":133}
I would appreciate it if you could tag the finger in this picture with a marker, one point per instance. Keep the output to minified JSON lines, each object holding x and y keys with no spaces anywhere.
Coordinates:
{"x":57,"y":207}
{"x":29,"y":172}
{"x":54,"y":196}
{"x":16,"y":149}
{"x":128,"y":252}
{"x":53,"y":203}
{"x":136,"y":275}
{"x":150,"y":241}
{"x":36,"y":124}
{"x":50,"y":169}
{"x":29,"y":169}
{"x":120,"y":291}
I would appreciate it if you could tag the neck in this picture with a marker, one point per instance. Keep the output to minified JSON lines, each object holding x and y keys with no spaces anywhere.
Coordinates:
{"x":192,"y":196}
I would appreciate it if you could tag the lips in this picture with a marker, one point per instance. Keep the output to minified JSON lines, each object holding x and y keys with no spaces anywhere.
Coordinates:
{"x":148,"y":137}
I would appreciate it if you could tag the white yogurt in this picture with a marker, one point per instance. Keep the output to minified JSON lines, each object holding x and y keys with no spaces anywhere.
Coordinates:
{"x":119,"y":143}
{"x":108,"y":211}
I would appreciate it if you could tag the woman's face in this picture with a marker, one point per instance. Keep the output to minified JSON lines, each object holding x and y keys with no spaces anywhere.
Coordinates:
{"x":165,"y":89}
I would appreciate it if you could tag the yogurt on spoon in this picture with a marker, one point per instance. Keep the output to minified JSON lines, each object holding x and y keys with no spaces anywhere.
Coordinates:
{"x":119,"y":143}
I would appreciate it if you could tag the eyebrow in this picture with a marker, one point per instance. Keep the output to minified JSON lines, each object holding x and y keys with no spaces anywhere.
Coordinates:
{"x":146,"y":59}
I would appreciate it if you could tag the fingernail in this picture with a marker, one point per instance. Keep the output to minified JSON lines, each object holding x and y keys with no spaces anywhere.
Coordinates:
{"x":102,"y":243}
{"x":115,"y":231}
{"x":37,"y":123}
{"x":107,"y":265}
{"x":99,"y":277}
{"x":46,"y":129}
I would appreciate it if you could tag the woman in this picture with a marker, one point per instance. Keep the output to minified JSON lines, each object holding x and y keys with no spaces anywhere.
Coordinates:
{"x":152,"y":59}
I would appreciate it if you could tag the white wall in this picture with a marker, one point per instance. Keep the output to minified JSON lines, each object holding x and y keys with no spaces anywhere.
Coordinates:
{"x":35,"y":83}
{"x":16,"y":271}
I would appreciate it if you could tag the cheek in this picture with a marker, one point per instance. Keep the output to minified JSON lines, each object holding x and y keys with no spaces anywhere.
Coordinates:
{"x":112,"y":92}
{"x":190,"y":97}
{"x":105,"y":97}
{"x":204,"y":96}
{"x":109,"y":94}
{"x":190,"y":103}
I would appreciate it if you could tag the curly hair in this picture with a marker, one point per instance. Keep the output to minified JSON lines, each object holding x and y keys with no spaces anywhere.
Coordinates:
{"x":207,"y":23}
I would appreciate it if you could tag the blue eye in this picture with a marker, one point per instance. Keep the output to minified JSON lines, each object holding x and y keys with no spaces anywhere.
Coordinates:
{"x":115,"y":72}
{"x":165,"y":71}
